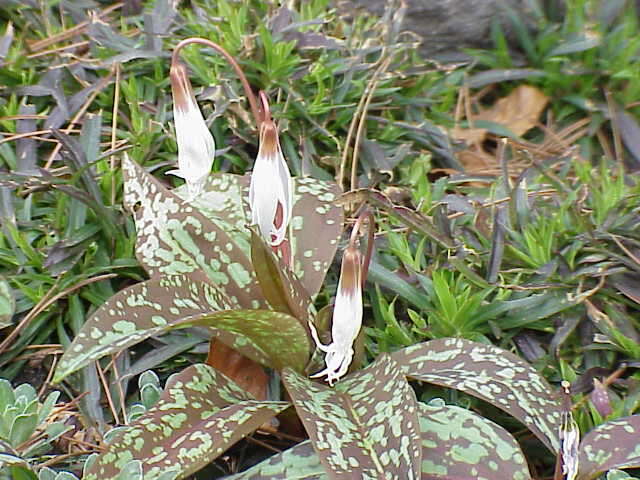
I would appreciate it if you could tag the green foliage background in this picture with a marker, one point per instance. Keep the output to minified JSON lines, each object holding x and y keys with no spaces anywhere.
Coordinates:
{"x":539,"y":257}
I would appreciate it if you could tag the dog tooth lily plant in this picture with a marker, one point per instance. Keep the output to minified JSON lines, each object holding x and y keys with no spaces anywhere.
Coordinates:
{"x":254,"y":291}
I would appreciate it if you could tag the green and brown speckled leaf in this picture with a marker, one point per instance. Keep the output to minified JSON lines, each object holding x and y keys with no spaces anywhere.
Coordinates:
{"x":612,"y":445}
{"x":200,"y":414}
{"x":458,"y":444}
{"x":366,"y":426}
{"x":316,"y":221}
{"x":138,"y":312}
{"x":279,"y":286}
{"x":490,"y":373}
{"x":174,"y":238}
{"x":162,"y":304}
{"x":273,"y":339}
{"x":299,"y":462}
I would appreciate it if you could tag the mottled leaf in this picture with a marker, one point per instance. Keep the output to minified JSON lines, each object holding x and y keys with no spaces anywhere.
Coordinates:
{"x":162,"y":304}
{"x":619,"y":475}
{"x":280,"y":287}
{"x":296,"y":463}
{"x":175,"y":238}
{"x":611,"y":445}
{"x":457,"y":443}
{"x":200,"y":414}
{"x":316,"y":221}
{"x":7,"y":303}
{"x":490,"y":373}
{"x":138,"y":312}
{"x":366,"y":426}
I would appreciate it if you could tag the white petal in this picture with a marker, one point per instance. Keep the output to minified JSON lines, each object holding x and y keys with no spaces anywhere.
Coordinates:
{"x":270,"y":186}
{"x":347,"y":321}
{"x":196,"y":147}
{"x":570,"y":440}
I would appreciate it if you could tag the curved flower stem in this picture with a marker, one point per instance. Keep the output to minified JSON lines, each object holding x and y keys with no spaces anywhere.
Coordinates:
{"x":365,"y":214}
{"x":243,"y":79}
{"x":264,"y":106}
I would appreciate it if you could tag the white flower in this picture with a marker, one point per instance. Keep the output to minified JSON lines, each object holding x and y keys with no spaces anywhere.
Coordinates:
{"x":270,"y":189}
{"x":196,"y":147}
{"x":569,"y":438}
{"x":347,"y":318}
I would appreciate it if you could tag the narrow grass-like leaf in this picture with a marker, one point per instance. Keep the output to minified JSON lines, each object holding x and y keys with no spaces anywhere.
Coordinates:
{"x":316,"y":220}
{"x":575,"y":45}
{"x":498,"y":76}
{"x":608,"y":446}
{"x":175,"y":238}
{"x":490,"y":373}
{"x":280,"y":287}
{"x":200,"y":414}
{"x":296,"y":463}
{"x":459,"y":444}
{"x":365,"y":427}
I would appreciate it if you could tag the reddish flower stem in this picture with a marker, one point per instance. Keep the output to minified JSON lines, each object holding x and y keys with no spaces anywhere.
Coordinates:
{"x":243,"y":79}
{"x":365,"y":214}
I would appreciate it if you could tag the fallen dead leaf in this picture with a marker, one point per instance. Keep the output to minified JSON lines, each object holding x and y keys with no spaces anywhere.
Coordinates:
{"x":519,"y":112}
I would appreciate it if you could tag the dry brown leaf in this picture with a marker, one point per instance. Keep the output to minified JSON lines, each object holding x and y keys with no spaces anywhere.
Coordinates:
{"x":519,"y":111}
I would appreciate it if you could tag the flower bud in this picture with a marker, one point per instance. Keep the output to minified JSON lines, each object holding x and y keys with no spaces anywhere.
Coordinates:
{"x":270,"y":194}
{"x":347,"y":318}
{"x":196,"y":147}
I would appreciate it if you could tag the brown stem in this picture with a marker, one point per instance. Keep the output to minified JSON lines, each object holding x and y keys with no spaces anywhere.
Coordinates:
{"x":243,"y":79}
{"x":264,"y":106}
{"x":364,"y":215}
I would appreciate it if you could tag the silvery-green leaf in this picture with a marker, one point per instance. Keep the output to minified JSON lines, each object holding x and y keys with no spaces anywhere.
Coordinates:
{"x":315,"y":227}
{"x":490,"y":373}
{"x":457,"y":443}
{"x":614,"y":444}
{"x":365,"y":427}
{"x":174,"y":238}
{"x":299,"y":462}
{"x":200,"y":414}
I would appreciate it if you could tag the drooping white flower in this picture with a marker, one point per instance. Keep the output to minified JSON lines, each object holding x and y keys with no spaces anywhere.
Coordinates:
{"x":196,"y":147}
{"x":347,"y":318}
{"x":270,"y":188}
{"x":569,"y":438}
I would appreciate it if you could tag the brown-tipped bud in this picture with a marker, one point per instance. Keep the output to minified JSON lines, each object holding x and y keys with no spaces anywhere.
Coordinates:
{"x":270,"y":194}
{"x":347,"y":318}
{"x":183,"y":97}
{"x":569,"y":437}
{"x":196,"y":147}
